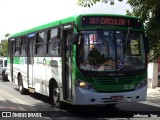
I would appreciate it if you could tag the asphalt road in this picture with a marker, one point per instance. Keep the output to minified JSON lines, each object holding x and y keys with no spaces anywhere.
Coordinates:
{"x":36,"y":105}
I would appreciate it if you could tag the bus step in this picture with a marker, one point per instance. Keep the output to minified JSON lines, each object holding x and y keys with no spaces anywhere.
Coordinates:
{"x":31,"y":90}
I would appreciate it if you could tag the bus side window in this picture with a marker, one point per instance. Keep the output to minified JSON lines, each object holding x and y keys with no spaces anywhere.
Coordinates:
{"x":48,"y":42}
{"x":17,"y":47}
{"x":55,"y":42}
{"x":39,"y":50}
{"x":23,"y":46}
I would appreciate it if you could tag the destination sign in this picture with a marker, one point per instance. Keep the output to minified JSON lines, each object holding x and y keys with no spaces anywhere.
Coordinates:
{"x":110,"y":20}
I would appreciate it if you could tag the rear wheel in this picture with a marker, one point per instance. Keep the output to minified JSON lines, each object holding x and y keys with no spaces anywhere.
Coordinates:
{"x":22,"y":90}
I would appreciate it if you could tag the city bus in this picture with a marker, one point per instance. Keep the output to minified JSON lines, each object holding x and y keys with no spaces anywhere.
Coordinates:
{"x":86,"y":59}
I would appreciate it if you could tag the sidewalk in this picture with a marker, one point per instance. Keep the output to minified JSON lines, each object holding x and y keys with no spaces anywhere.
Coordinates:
{"x":153,"y":95}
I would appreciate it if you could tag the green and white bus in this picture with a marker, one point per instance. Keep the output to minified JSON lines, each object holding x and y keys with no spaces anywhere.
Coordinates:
{"x":87,"y":59}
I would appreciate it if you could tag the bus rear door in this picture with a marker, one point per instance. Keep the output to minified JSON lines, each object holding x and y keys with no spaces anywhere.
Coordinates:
{"x":12,"y":50}
{"x":30,"y":63}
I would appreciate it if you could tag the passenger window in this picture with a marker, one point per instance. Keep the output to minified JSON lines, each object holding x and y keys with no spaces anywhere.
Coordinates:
{"x":39,"y":48}
{"x":49,"y":42}
{"x":23,"y":46}
{"x":17,"y":47}
{"x":55,"y":43}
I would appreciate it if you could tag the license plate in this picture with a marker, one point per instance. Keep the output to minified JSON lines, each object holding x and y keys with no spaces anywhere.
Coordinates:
{"x":116,"y":97}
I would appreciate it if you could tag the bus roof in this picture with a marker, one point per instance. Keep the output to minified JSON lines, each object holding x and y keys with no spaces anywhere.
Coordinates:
{"x":63,"y":21}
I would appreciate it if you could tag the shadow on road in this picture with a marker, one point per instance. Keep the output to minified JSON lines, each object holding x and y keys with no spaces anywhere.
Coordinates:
{"x":117,"y":111}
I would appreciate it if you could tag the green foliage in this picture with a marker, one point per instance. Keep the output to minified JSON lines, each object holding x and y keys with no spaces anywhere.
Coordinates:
{"x":6,"y":35}
{"x":149,"y":12}
{"x":3,"y":48}
{"x":89,"y":3}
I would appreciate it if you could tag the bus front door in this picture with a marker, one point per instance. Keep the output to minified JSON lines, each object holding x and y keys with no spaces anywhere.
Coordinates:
{"x":30,"y":62}
{"x":66,"y":66}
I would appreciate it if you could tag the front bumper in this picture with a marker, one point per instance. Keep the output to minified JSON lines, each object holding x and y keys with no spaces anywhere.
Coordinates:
{"x":85,"y":97}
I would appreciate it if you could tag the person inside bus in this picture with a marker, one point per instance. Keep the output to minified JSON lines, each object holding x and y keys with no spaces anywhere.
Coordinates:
{"x":93,"y":55}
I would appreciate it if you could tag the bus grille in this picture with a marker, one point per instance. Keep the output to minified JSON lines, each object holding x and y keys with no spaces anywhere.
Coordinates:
{"x":123,"y":80}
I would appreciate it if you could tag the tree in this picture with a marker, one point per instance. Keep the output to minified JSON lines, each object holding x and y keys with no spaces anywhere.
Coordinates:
{"x":4,"y":46}
{"x":149,"y":12}
{"x":6,"y":35}
{"x":89,"y":3}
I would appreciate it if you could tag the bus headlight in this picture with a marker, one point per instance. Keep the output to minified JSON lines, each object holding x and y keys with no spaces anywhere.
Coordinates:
{"x":85,"y":85}
{"x":141,"y":84}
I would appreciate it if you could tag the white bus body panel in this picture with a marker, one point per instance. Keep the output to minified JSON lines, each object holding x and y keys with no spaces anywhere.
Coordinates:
{"x":43,"y":73}
{"x":39,"y":72}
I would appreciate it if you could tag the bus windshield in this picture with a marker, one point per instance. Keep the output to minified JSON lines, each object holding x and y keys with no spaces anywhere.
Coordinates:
{"x":110,"y":50}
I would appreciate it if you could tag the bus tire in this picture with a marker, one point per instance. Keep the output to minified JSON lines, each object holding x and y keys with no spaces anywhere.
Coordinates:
{"x":56,"y":96}
{"x":22,"y":90}
{"x":4,"y":76}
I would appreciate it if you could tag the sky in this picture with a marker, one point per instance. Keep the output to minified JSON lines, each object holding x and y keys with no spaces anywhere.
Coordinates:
{"x":20,"y":15}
